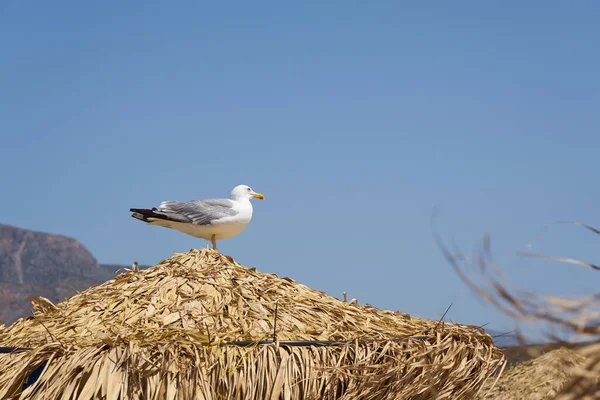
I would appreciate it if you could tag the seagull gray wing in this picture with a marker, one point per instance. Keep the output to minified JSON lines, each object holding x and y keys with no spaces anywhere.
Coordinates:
{"x":198,"y":212}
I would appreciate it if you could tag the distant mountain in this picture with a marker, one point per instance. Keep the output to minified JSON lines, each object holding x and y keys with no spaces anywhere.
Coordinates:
{"x":43,"y":264}
{"x":503,"y":339}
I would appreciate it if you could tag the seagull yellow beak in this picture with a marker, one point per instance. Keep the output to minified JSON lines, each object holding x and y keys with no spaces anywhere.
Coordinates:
{"x":258,"y":196}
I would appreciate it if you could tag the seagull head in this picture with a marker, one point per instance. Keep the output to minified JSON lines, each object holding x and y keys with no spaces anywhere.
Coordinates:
{"x":245,"y":192}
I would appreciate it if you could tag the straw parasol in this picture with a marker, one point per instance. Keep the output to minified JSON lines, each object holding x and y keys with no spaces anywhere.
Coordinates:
{"x":199,"y":325}
{"x":541,"y":378}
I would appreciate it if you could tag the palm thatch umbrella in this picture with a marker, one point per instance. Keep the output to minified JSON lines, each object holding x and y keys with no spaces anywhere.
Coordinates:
{"x":201,"y":326}
{"x":538,"y":379}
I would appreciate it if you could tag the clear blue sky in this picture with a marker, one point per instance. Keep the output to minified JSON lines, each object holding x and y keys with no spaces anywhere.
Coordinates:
{"x":355,"y":119}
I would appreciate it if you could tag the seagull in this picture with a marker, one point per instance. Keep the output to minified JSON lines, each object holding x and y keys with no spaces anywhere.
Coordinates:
{"x":209,"y":219}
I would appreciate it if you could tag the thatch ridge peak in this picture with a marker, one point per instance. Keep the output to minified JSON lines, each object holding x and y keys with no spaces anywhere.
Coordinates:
{"x":188,"y":309}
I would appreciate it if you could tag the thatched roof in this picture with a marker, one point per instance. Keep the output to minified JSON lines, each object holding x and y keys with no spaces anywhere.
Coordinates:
{"x":165,"y":332}
{"x":541,"y":378}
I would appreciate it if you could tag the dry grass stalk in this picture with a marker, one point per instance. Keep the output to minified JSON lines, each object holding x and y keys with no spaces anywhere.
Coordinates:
{"x":162,"y":333}
{"x":538,"y":379}
{"x":576,"y":316}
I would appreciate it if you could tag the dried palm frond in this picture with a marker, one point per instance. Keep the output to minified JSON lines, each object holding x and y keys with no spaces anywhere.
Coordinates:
{"x":177,"y":331}
{"x":537,"y":379}
{"x":577,"y":316}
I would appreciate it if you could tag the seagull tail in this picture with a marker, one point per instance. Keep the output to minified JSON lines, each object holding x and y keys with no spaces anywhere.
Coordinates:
{"x":143,"y":214}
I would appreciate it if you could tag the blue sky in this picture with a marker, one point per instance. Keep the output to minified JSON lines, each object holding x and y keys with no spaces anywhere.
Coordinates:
{"x":356,"y":120}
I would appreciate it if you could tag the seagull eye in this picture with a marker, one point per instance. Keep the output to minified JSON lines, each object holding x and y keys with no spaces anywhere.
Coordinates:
{"x":249,"y":189}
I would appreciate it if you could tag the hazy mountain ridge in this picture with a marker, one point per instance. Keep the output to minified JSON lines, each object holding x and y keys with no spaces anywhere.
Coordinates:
{"x":503,"y":338}
{"x":43,"y":264}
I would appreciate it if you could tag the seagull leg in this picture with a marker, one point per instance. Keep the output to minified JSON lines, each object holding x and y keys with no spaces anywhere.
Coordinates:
{"x":213,"y":239}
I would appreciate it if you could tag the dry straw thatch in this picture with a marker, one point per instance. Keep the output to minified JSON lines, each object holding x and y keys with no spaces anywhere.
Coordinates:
{"x":538,"y":379}
{"x":578,"y":316}
{"x":164,"y":333}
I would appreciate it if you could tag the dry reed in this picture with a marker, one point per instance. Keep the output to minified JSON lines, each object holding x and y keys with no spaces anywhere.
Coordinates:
{"x":538,"y":379}
{"x":165,"y":333}
{"x":575,"y":316}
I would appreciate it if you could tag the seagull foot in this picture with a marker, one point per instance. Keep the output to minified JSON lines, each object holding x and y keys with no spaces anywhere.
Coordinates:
{"x":213,"y":240}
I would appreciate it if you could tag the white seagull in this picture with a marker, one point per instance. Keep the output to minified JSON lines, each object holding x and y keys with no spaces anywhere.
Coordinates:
{"x":210,"y":219}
